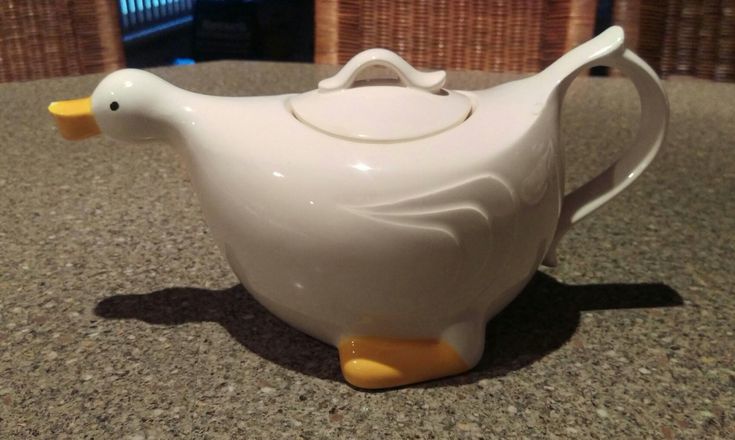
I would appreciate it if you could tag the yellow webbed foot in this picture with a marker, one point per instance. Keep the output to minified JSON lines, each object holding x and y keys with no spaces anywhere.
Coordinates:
{"x":370,"y":362}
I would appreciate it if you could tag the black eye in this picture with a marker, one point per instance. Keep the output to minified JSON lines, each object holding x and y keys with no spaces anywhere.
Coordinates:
{"x":114,"y":106}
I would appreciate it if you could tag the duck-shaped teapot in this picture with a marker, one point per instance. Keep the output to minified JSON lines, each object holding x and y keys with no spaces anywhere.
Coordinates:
{"x":391,"y":219}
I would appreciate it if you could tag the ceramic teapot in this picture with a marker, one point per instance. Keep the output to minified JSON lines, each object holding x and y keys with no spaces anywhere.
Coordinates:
{"x":389,"y":218}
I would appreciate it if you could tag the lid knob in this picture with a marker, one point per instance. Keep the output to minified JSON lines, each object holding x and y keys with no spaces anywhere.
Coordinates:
{"x":428,"y":81}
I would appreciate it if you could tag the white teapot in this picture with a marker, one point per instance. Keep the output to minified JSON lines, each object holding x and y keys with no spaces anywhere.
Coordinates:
{"x":391,"y":219}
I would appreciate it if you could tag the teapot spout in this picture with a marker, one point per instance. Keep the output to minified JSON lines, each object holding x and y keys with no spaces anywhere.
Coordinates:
{"x":561,"y":73}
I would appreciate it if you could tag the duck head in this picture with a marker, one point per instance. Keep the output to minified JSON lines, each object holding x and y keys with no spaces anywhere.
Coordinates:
{"x":129,"y":105}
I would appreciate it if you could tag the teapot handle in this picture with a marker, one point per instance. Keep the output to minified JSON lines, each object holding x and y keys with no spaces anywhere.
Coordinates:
{"x":654,"y":121}
{"x":429,"y":81}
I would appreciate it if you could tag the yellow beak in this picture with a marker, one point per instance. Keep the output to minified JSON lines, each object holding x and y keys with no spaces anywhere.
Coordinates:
{"x":74,"y":118}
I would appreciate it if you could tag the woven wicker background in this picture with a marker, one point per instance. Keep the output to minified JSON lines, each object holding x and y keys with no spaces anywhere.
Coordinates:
{"x":682,"y":37}
{"x":515,"y":36}
{"x":47,"y":38}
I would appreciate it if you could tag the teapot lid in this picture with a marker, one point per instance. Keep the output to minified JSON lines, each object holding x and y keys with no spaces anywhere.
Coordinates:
{"x":381,"y":110}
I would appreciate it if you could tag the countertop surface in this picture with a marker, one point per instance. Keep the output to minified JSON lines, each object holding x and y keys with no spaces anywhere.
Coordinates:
{"x":119,"y":318}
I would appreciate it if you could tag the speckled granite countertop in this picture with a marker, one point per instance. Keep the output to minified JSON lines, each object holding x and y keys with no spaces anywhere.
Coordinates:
{"x":120,"y":319}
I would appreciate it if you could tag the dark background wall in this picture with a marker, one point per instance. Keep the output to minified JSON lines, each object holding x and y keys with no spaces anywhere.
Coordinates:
{"x":281,"y":30}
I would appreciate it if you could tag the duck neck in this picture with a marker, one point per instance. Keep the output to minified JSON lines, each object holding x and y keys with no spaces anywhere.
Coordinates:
{"x":171,"y":120}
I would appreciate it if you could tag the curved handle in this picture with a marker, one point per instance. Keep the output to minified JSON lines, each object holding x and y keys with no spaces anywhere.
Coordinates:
{"x":654,"y":121}
{"x":429,"y":81}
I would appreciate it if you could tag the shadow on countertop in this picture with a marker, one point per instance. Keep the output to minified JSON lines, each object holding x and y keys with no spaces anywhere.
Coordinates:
{"x":539,"y":321}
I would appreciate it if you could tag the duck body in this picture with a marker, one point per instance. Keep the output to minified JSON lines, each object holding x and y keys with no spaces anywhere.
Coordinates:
{"x":391,"y":220}
{"x":406,"y":240}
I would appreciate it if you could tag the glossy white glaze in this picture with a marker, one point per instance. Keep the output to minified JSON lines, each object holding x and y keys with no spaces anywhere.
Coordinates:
{"x":421,"y":238}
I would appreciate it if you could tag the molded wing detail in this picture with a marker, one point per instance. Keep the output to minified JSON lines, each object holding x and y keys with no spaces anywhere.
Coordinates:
{"x":467,"y":212}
